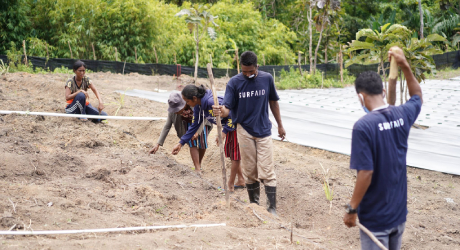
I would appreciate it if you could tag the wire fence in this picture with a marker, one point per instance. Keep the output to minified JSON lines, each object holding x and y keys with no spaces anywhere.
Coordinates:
{"x":330,"y":70}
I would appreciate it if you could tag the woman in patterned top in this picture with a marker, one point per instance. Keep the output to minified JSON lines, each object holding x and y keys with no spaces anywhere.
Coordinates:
{"x":76,"y":94}
{"x":181,"y":115}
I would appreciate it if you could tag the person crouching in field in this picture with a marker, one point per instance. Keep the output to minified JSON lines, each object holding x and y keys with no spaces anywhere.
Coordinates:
{"x":247,"y":97}
{"x":378,"y":153}
{"x":76,"y":94}
{"x":202,"y":100}
{"x":181,"y":115}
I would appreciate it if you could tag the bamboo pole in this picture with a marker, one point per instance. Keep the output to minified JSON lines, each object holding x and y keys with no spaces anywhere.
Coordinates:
{"x":219,"y":129}
{"x":156,"y":56}
{"x":375,"y":240}
{"x":25,"y":54}
{"x":70,"y":48}
{"x":135,"y":53}
{"x":94,"y":52}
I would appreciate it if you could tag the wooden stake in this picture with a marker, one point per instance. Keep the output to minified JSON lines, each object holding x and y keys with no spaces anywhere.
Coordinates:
{"x":263,"y":58}
{"x":25,"y":54}
{"x":175,"y":61}
{"x":219,"y":129}
{"x":375,"y":240}
{"x":156,"y":56}
{"x":237,"y":60}
{"x":135,"y":53}
{"x":124,"y":67}
{"x":210,"y":58}
{"x":116,"y":54}
{"x":300,"y":66}
{"x":47,"y":55}
{"x":341,"y":64}
{"x":71,"y":55}
{"x":292,"y":231}
{"x":94,"y":52}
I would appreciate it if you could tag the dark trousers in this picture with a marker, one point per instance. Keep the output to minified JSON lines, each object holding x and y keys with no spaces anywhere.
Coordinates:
{"x":78,"y":106}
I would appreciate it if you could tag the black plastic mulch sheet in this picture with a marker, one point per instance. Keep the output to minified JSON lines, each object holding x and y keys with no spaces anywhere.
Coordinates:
{"x":330,"y":70}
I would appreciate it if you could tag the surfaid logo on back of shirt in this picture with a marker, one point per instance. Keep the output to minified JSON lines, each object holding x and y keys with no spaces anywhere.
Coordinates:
{"x":392,"y":124}
{"x":248,"y":94}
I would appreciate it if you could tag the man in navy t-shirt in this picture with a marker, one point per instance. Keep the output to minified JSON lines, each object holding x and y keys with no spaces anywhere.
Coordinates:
{"x":378,"y":153}
{"x":248,"y":96}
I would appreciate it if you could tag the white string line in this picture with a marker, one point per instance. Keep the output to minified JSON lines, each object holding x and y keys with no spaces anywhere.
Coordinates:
{"x":104,"y":230}
{"x":105,"y":117}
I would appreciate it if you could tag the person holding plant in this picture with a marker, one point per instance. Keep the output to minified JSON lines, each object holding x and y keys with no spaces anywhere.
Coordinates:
{"x":202,"y":100}
{"x":76,"y":94}
{"x":247,"y":98}
{"x":378,"y":153}
{"x":181,"y":115}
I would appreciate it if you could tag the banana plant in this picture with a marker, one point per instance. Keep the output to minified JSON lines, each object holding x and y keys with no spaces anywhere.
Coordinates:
{"x":377,"y":43}
{"x":199,"y":22}
{"x":418,"y":54}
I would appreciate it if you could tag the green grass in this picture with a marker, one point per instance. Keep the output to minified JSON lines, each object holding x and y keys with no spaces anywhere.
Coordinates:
{"x":293,"y":80}
{"x":444,"y":74}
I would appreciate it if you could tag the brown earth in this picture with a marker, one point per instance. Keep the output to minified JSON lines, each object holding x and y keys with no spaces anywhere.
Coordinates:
{"x":60,"y":173}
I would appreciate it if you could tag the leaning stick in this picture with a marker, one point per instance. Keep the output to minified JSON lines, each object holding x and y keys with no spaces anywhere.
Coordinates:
{"x":219,"y":134}
{"x":375,"y":240}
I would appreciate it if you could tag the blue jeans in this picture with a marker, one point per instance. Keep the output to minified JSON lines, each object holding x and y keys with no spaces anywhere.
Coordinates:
{"x":390,"y":238}
{"x":78,"y":106}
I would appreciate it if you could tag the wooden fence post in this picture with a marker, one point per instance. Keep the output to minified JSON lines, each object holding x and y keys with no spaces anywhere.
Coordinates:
{"x":71,"y":55}
{"x":156,"y":56}
{"x":94,"y":52}
{"x":135,"y":53}
{"x":25,"y":54}
{"x":300,"y":66}
{"x":237,"y":60}
{"x":263,"y":58}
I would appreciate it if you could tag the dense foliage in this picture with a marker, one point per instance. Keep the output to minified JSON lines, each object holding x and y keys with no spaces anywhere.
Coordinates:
{"x":149,"y":31}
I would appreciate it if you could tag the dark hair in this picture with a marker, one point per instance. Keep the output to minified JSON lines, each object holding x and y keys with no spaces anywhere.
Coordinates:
{"x":248,"y":58}
{"x":191,"y":90}
{"x":369,"y":82}
{"x":78,"y":64}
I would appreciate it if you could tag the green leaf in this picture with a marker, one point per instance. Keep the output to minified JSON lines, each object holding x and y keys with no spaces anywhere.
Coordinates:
{"x":384,"y":27}
{"x":366,"y":33}
{"x":357,"y":45}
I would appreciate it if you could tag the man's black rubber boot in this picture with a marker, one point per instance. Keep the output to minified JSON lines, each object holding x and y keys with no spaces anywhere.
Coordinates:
{"x":271,"y":197}
{"x":254,"y":192}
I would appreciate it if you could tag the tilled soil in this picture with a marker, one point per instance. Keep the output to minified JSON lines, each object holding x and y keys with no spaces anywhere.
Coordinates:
{"x":61,"y":173}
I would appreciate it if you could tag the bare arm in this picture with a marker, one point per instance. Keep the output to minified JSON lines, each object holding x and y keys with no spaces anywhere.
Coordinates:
{"x":93,"y":88}
{"x":98,"y":96}
{"x":70,"y":96}
{"x":412,"y":83}
{"x":363,"y":180}
{"x":275,"y":108}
